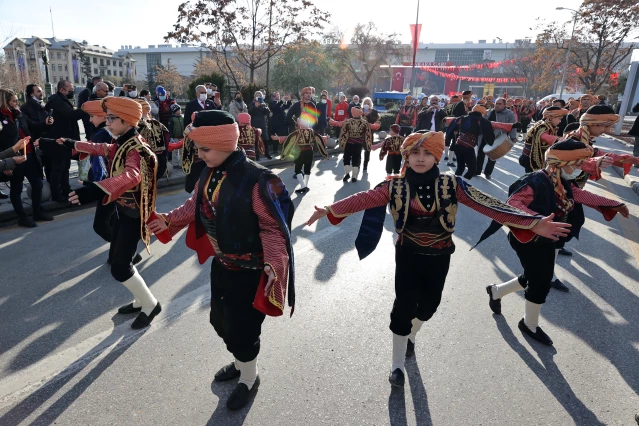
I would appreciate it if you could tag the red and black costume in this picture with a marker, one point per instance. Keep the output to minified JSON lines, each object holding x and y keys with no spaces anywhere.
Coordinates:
{"x":250,"y":138}
{"x":469,"y":128}
{"x":391,"y":146}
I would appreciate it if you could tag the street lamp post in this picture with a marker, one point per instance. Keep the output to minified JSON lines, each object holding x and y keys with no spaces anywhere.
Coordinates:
{"x":574,"y":23}
{"x":413,"y":76}
{"x":45,"y":62}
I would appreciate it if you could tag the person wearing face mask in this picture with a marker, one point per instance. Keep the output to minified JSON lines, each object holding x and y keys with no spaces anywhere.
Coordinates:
{"x":237,"y":106}
{"x":354,"y":104}
{"x":213,"y":95}
{"x":164,"y":103}
{"x":200,"y":103}
{"x":86,"y":93}
{"x":549,"y":192}
{"x":372,"y":116}
{"x":65,"y":125}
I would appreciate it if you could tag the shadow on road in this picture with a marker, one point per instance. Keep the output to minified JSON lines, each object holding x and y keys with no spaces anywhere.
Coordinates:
{"x":222,"y":415}
{"x":549,"y":374}
{"x":37,"y":399}
{"x":397,"y":402}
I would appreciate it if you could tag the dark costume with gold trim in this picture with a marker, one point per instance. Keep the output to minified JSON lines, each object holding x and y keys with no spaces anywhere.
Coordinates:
{"x":469,"y":127}
{"x":157,"y":136}
{"x":391,"y":146}
{"x":538,"y":138}
{"x":250,"y":138}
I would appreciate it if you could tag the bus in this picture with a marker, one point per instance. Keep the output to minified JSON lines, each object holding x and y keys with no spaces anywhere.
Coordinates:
{"x":380,"y":99}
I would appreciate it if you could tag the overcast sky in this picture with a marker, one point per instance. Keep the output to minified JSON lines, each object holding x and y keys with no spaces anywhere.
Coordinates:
{"x":144,"y":22}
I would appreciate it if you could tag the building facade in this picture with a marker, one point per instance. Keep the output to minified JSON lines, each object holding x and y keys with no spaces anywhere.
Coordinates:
{"x":68,"y":60}
{"x":184,"y":57}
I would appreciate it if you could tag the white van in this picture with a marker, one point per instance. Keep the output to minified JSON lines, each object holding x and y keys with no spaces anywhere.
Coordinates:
{"x":564,"y":96}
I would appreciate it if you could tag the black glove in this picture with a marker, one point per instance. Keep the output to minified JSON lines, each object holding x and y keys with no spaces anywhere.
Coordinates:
{"x":517,"y":125}
{"x":89,"y":193}
{"x":68,"y":143}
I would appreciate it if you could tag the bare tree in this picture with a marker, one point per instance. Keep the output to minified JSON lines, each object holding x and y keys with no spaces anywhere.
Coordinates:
{"x":247,"y":33}
{"x":368,"y":49}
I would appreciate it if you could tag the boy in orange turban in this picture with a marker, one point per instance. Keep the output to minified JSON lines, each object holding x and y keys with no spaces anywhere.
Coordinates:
{"x":423,"y":202}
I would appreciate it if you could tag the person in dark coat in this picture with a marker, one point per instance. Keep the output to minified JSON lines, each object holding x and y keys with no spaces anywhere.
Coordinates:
{"x":38,"y":120}
{"x":259,"y":112}
{"x":84,"y":96}
{"x":277,"y":125}
{"x":200,"y":103}
{"x":15,"y":129}
{"x":425,"y":119}
{"x":65,"y":125}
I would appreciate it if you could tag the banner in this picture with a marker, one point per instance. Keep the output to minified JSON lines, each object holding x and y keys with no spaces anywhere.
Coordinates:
{"x":488,"y":65}
{"x":415,"y":40}
{"x":397,"y":84}
{"x":453,"y":76}
{"x":76,"y":71}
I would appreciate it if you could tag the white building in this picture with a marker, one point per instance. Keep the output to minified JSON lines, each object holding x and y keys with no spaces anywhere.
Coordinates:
{"x":25,"y":56}
{"x":183,"y":57}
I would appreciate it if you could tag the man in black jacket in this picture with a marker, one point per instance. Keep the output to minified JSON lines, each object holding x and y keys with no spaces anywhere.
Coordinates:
{"x":38,"y":120}
{"x":431,"y":118}
{"x":259,"y":112}
{"x":84,"y":96}
{"x":65,"y":125}
{"x":634,"y":131}
{"x":200,"y":103}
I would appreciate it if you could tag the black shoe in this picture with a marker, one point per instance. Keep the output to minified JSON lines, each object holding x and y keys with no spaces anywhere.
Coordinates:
{"x":268,"y":156}
{"x":3,"y":196}
{"x":137,"y":259}
{"x":565,"y":252}
{"x":295,"y":176}
{"x":410,"y":349}
{"x":242,"y":395}
{"x":347,"y":177}
{"x":637,"y":415}
{"x":558,"y":285}
{"x":445,"y":158}
{"x":538,"y":335}
{"x":43,"y":217}
{"x":129,"y":309}
{"x":450,"y":164}
{"x":306,"y":189}
{"x":365,"y":168}
{"x":26,"y":222}
{"x":353,"y":179}
{"x":495,"y":305}
{"x":487,"y":176}
{"x":396,"y":378}
{"x":144,"y":320}
{"x":226,"y":373}
{"x":300,"y":191}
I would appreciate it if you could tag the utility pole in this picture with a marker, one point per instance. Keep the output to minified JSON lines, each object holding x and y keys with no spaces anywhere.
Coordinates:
{"x":413,"y":76}
{"x":268,"y":53}
{"x":574,"y":22}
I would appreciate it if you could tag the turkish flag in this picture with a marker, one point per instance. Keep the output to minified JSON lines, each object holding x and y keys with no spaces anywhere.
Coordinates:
{"x":398,"y":80}
{"x":415,"y":40}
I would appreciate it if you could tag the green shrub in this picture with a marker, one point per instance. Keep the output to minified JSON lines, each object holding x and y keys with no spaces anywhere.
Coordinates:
{"x":386,"y":119}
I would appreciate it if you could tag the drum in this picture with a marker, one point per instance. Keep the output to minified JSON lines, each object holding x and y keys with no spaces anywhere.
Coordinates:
{"x":499,"y":148}
{"x":331,"y":143}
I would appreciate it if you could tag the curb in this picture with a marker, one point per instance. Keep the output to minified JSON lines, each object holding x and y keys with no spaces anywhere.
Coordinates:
{"x":170,"y":182}
{"x":632,"y":181}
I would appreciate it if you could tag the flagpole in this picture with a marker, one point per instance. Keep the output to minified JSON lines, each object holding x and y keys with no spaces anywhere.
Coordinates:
{"x":416,"y":45}
{"x":51,"y":14}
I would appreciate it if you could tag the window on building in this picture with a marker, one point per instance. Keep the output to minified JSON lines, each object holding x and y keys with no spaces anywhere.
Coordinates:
{"x":120,"y":73}
{"x":10,"y":55}
{"x":460,"y":56}
{"x":64,"y":55}
{"x":32,"y":56}
{"x":59,"y":67}
{"x":95,"y":61}
{"x":12,"y":66}
{"x":108,"y":62}
{"x":58,"y":55}
{"x":61,"y":78}
{"x":66,"y":68}
{"x":120,"y":64}
{"x":152,"y":61}
{"x":102,"y":61}
{"x":95,"y":71}
{"x":108,"y":72}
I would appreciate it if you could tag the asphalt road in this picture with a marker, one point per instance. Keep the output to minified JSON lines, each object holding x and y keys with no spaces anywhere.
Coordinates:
{"x":66,"y":358}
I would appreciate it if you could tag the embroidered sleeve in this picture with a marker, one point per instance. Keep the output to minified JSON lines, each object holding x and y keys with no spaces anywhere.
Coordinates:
{"x":375,"y":197}
{"x":97,"y":149}
{"x":493,"y":208}
{"x":548,"y":138}
{"x":384,"y":150}
{"x":114,"y":187}
{"x":522,"y":199}
{"x":274,"y":246}
{"x":182,"y":216}
{"x":591,"y":200}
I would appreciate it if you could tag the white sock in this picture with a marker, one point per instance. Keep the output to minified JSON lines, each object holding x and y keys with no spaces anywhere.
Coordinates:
{"x":306,"y":177}
{"x":141,"y":292}
{"x":300,"y":179}
{"x":554,"y":274}
{"x":417,"y":325}
{"x":248,"y":372}
{"x":531,"y":317}
{"x":347,"y":169}
{"x":508,"y":287}
{"x":355,"y":172}
{"x":399,"y":352}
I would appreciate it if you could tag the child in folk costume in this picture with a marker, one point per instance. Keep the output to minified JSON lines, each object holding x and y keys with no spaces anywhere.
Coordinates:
{"x":240,"y":213}
{"x":539,"y":137}
{"x":131,"y":186}
{"x":250,"y":137}
{"x":356,"y":132}
{"x":391,"y":146}
{"x":176,"y":132}
{"x":423,"y":203}
{"x":155,"y":134}
{"x":551,"y":192}
{"x":299,"y":145}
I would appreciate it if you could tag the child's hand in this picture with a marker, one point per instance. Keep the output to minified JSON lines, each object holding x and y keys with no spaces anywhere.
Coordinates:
{"x":319,"y":213}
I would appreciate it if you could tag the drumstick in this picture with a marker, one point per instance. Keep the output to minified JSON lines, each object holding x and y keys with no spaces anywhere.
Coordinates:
{"x":25,"y":148}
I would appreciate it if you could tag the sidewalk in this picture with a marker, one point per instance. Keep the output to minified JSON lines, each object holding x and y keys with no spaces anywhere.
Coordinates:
{"x":175,"y":180}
